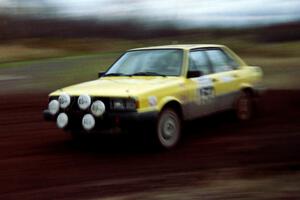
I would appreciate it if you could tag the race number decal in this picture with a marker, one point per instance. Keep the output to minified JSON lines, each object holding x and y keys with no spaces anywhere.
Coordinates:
{"x":206,"y":92}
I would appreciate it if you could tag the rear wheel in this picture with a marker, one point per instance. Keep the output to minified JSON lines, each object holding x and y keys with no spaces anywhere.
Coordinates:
{"x":244,"y":107}
{"x":168,"y":129}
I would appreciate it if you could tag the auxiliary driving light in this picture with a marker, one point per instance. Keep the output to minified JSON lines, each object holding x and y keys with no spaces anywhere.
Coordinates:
{"x":62,"y":120}
{"x":64,"y":100}
{"x":84,"y":101}
{"x":88,"y":122}
{"x":53,"y":107}
{"x":98,"y":108}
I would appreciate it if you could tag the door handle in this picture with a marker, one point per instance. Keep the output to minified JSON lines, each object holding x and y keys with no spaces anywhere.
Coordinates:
{"x":214,"y":80}
{"x":235,"y":75}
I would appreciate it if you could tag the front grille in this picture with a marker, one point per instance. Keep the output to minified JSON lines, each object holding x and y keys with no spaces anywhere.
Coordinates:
{"x":75,"y":114}
{"x":74,"y":105}
{"x":74,"y":110}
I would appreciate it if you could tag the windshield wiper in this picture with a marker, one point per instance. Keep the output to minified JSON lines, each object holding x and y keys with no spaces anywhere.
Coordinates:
{"x":147,"y":74}
{"x":116,"y":74}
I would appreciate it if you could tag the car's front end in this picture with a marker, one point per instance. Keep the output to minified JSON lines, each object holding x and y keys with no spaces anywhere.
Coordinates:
{"x":128,"y":93}
{"x":111,"y":103}
{"x":94,"y":113}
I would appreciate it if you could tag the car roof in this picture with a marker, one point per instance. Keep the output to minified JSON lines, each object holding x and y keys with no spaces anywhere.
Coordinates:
{"x":179,"y":46}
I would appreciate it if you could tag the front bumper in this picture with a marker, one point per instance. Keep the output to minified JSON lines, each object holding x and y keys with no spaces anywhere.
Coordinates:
{"x":48,"y":116}
{"x":109,"y":120}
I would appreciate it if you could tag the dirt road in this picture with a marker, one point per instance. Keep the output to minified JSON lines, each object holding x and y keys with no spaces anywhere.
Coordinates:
{"x":217,"y":159}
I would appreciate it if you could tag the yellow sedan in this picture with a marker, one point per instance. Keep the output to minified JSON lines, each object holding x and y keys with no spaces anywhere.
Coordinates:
{"x":155,"y":89}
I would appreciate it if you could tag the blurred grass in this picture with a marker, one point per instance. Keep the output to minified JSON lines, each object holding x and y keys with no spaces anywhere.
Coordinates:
{"x":47,"y":64}
{"x":37,"y":48}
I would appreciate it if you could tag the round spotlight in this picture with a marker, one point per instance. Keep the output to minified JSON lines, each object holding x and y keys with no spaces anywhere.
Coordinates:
{"x":88,"y":122}
{"x":62,"y":120}
{"x":84,"y":101}
{"x":53,"y":107}
{"x":98,"y":108}
{"x":64,"y":100}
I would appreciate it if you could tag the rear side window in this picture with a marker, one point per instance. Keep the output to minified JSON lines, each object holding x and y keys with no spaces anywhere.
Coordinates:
{"x":198,"y":62}
{"x":220,"y":61}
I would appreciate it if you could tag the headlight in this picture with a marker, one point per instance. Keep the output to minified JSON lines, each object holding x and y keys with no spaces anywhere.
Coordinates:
{"x":84,"y":101}
{"x":124,"y":104}
{"x":64,"y":100}
{"x":131,"y":104}
{"x":62,"y":120}
{"x":53,"y":107}
{"x":98,"y":108}
{"x":88,"y":122}
{"x":118,"y":104}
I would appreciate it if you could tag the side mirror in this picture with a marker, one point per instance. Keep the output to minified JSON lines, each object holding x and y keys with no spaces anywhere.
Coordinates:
{"x":194,"y":74}
{"x":100,"y":74}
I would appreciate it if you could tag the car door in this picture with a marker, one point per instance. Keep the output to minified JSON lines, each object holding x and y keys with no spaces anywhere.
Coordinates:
{"x":224,"y":78}
{"x":201,"y":88}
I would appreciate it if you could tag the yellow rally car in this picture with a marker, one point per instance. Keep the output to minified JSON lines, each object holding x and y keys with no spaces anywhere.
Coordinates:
{"x":155,"y":89}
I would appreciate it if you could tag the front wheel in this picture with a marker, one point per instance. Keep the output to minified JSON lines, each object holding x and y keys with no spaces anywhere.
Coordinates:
{"x":168,"y":129}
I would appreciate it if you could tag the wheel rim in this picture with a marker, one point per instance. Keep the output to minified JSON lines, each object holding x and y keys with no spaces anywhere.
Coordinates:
{"x":168,"y":129}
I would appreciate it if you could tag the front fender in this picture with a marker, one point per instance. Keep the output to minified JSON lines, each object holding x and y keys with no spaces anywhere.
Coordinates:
{"x":257,"y":89}
{"x":246,"y":86}
{"x":165,"y":100}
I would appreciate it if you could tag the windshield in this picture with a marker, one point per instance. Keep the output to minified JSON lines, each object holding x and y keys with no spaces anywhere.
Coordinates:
{"x":154,"y":62}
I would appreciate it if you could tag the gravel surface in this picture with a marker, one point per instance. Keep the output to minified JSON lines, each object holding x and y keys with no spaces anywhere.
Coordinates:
{"x":218,"y":158}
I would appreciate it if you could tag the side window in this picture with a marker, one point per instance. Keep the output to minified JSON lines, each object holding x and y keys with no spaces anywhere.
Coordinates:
{"x":220,"y":61}
{"x":198,"y":62}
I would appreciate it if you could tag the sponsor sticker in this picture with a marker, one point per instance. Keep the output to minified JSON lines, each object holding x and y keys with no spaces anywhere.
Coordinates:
{"x":152,"y":100}
{"x":204,"y":81}
{"x":205,"y":90}
{"x":226,"y":78}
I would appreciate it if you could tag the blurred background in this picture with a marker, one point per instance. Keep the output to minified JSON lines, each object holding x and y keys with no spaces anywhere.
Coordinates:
{"x":71,"y":40}
{"x":48,"y":44}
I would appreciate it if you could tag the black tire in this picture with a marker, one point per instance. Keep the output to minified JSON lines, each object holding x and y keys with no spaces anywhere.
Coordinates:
{"x":168,"y":129}
{"x":244,"y":107}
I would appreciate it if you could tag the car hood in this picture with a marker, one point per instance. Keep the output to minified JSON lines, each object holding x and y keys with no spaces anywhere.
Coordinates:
{"x":119,"y":86}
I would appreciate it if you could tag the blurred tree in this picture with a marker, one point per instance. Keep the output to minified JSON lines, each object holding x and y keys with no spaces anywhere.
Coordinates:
{"x":36,"y":8}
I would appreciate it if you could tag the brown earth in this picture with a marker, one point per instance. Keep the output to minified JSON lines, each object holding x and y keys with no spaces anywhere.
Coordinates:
{"x":218,"y":158}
